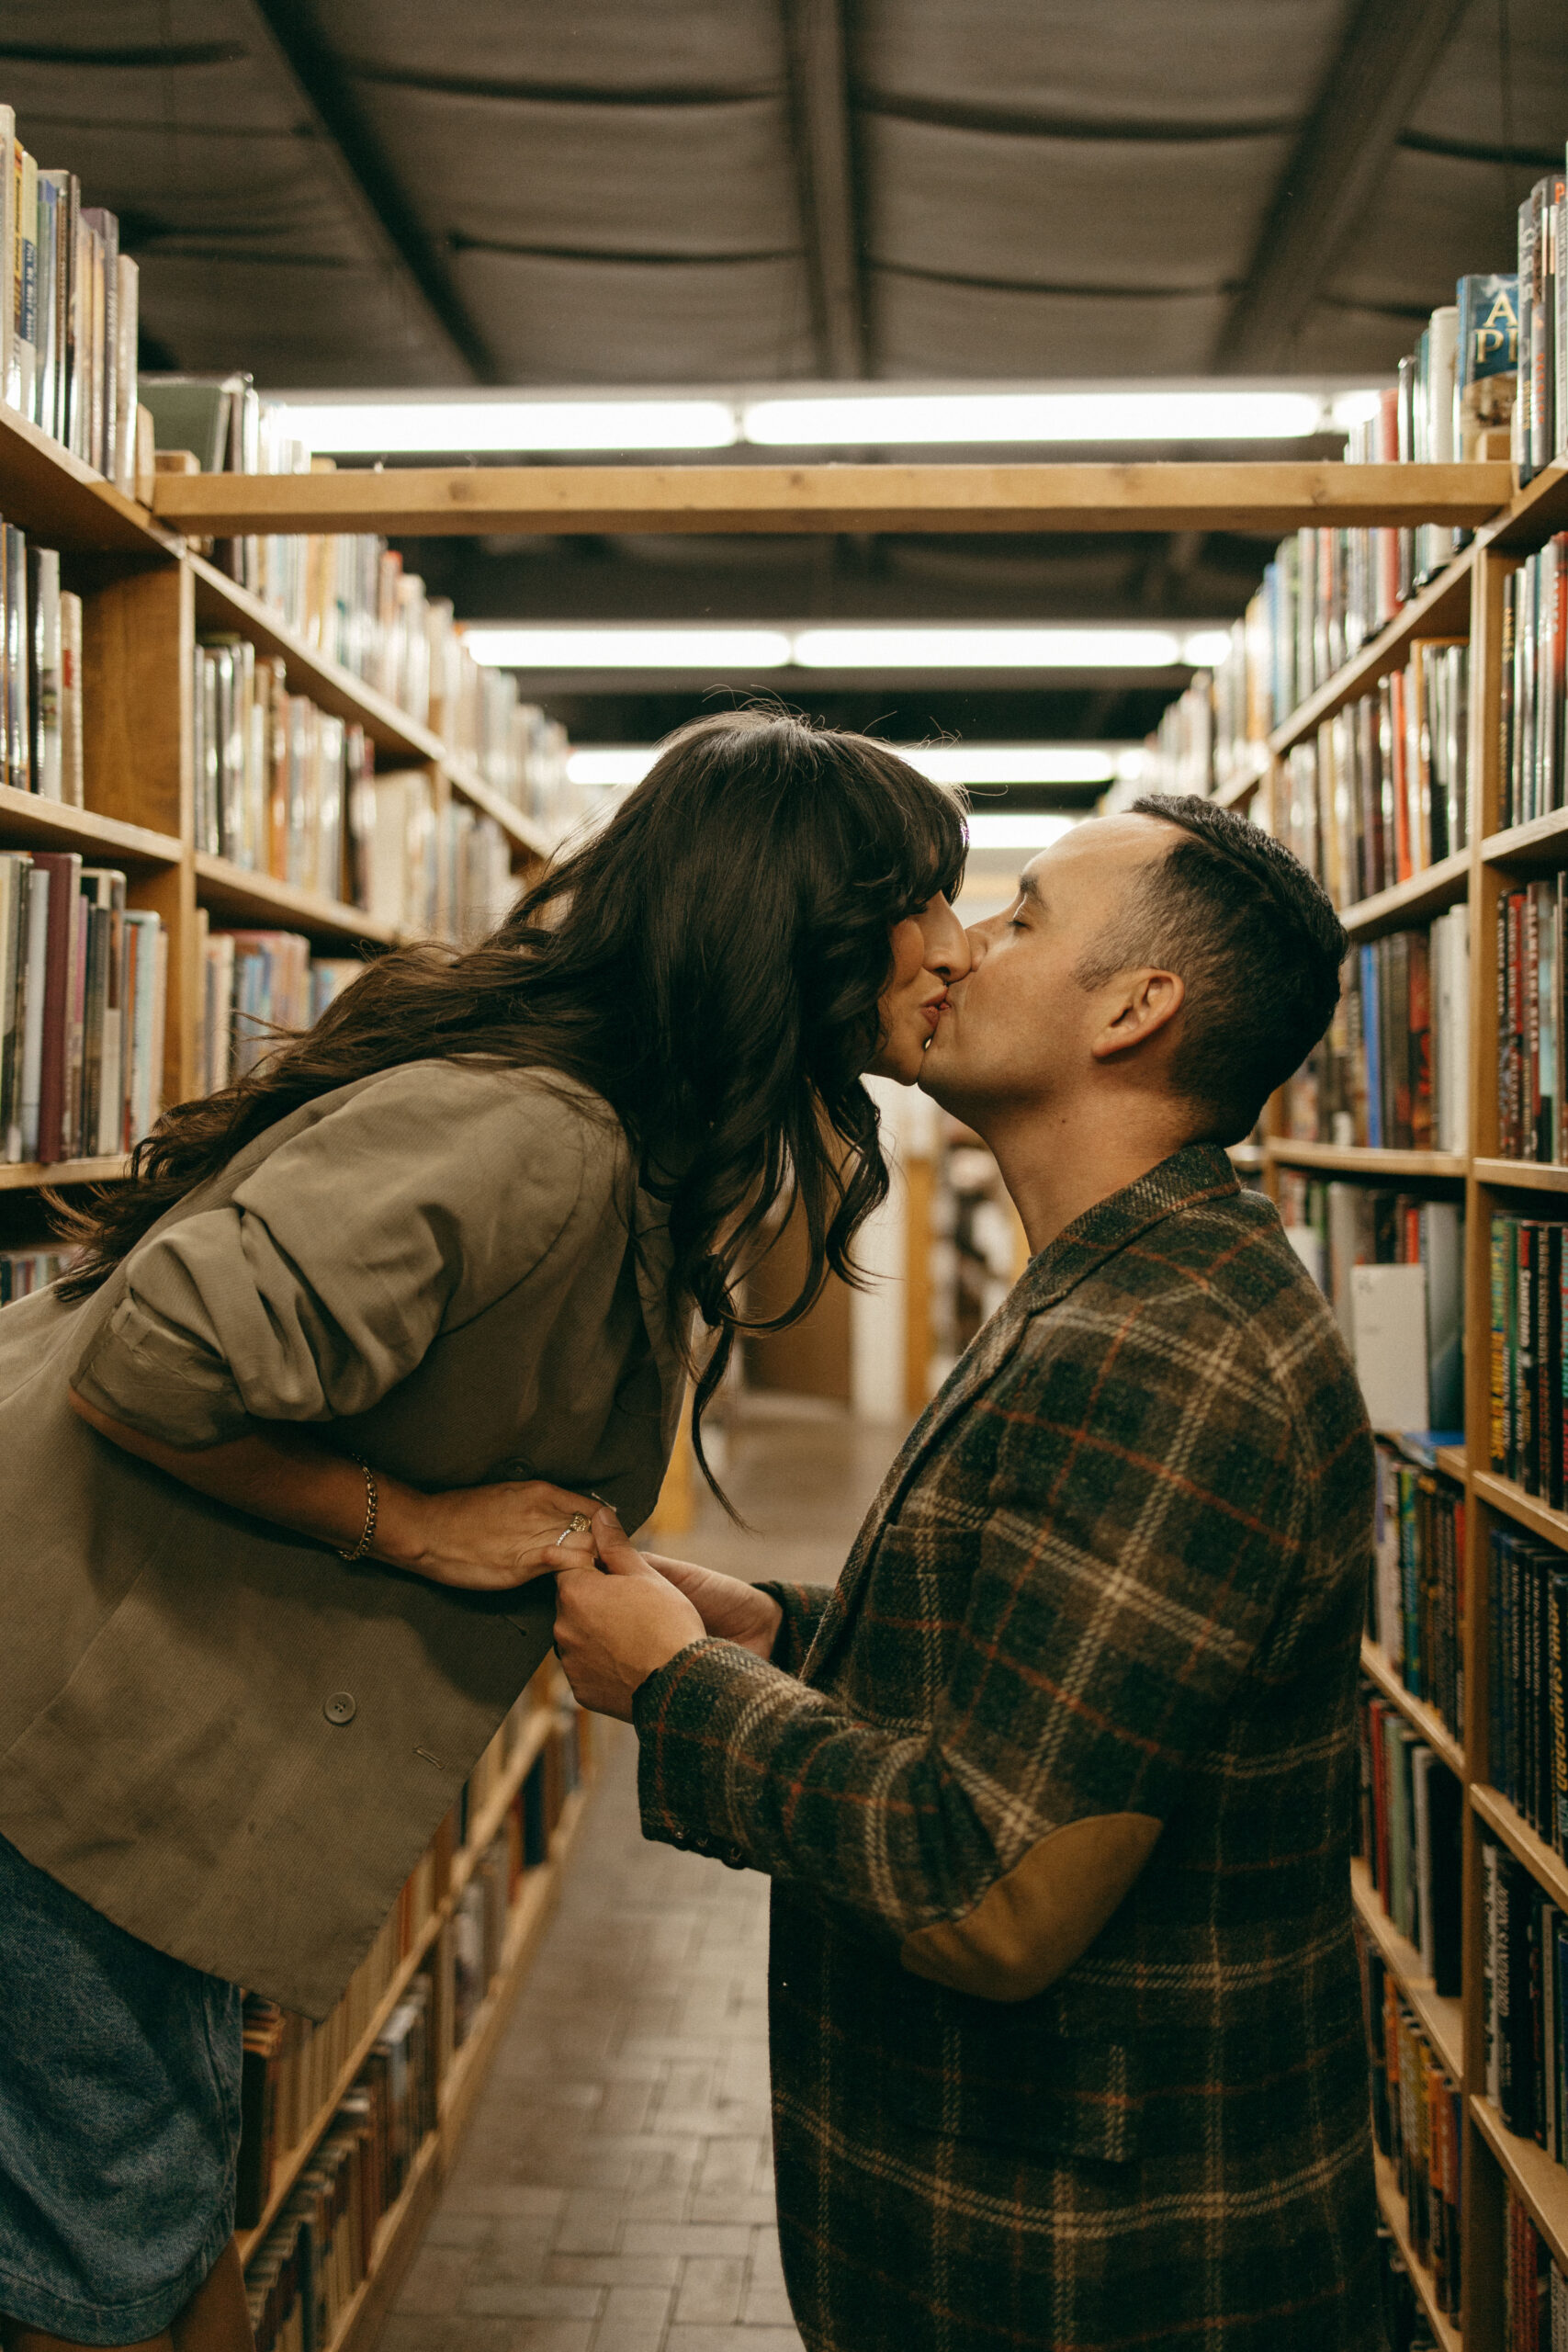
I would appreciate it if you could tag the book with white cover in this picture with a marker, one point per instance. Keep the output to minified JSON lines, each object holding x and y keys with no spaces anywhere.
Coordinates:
{"x":1388,"y":1322}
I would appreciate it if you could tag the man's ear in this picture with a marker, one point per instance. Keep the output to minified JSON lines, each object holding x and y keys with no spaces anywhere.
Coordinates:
{"x":1143,"y":1004}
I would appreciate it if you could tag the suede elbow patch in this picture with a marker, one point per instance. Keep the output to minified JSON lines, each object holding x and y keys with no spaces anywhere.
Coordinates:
{"x":1029,"y":1927}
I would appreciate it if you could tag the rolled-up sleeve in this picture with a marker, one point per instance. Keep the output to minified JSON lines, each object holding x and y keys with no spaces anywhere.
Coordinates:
{"x":321,"y":1283}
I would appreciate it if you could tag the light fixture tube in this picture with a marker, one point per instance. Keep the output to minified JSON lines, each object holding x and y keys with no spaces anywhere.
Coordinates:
{"x":906,"y":419}
{"x":408,"y":428}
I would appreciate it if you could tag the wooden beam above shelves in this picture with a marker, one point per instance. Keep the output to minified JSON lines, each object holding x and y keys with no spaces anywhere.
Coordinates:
{"x":30,"y":822}
{"x":58,"y":500}
{"x":434,"y":501}
{"x":1361,"y":1160}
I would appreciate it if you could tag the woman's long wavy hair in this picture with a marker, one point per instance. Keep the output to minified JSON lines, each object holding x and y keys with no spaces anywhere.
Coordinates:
{"x":710,"y":961}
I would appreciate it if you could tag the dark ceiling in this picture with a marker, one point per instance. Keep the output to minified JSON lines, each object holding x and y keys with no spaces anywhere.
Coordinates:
{"x":331,"y":193}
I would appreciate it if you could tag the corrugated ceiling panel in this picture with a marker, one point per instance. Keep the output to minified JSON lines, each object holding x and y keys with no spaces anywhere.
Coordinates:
{"x":1433,"y":219}
{"x":1464,"y":99}
{"x":1141,"y":62}
{"x":578,"y":178}
{"x":265,"y":194}
{"x":925,"y":326}
{"x":653,"y":46}
{"x":290,"y":325}
{"x":1129,"y":215}
{"x":1347,"y":339}
{"x":612,"y":322}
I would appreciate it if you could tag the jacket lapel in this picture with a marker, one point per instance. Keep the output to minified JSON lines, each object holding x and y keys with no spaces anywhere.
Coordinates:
{"x":1198,"y":1172}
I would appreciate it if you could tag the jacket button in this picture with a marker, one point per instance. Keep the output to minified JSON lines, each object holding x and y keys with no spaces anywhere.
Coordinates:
{"x":339,"y":1708}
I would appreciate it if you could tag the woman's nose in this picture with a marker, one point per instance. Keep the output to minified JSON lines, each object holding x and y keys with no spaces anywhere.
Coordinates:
{"x":948,"y":948}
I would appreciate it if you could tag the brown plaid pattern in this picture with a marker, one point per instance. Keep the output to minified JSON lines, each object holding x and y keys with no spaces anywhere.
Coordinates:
{"x":1118,"y":1566}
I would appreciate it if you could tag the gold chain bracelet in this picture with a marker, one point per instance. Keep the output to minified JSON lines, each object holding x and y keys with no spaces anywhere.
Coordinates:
{"x":372,"y":1502}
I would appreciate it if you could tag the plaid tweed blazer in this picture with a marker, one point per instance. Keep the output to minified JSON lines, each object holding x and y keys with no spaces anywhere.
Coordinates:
{"x":1117,"y":1572}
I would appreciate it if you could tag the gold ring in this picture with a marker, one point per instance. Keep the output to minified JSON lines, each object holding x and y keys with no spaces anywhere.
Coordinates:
{"x":578,"y":1525}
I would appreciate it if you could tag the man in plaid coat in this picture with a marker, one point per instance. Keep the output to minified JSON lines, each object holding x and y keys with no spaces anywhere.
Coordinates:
{"x":1056,"y":1786}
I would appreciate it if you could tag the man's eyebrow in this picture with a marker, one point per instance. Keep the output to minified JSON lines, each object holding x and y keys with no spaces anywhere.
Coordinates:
{"x":1029,"y":888}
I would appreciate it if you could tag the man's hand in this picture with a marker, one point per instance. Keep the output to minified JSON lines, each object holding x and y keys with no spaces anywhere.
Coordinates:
{"x":613,"y":1630}
{"x":729,"y":1608}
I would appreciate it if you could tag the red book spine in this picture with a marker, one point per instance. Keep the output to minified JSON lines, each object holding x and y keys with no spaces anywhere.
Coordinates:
{"x":65,"y":870}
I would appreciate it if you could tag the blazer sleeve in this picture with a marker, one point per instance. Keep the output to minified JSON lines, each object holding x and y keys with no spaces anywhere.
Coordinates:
{"x":321,"y":1283}
{"x":1141,"y":1529}
{"x":802,"y":1605}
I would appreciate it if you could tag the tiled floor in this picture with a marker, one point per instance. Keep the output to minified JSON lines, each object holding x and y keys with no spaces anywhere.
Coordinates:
{"x":615,"y":2191}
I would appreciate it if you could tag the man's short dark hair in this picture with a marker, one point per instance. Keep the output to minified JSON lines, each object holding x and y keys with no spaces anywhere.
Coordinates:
{"x":1257,"y":942}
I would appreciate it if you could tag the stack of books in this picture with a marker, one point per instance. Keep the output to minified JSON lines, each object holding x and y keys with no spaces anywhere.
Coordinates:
{"x":1529,"y":1267}
{"x":83,"y":980}
{"x":255,"y":985}
{"x":1382,"y":791}
{"x":1392,"y":1070}
{"x":1528,"y":1634}
{"x":318,"y":2252}
{"x":1541,"y":408}
{"x":24,"y":1271}
{"x":1535,"y":2292}
{"x":1524,"y":1979}
{"x":41,"y":673}
{"x":1411,"y":1812}
{"x":68,"y":313}
{"x":1535,"y":634}
{"x":1418,"y":2123}
{"x":435,"y":868}
{"x":1531,"y":1035}
{"x":1416,"y":1614}
{"x":1393,"y":1265}
{"x":281,"y":787}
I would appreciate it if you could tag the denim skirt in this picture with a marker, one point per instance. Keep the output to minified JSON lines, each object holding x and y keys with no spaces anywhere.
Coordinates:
{"x":119,"y":2119}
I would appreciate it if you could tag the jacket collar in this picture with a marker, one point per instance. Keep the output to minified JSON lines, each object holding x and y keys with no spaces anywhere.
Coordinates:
{"x":1197,"y":1172}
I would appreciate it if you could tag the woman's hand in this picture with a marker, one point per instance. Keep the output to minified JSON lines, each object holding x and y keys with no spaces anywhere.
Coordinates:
{"x":615,"y":1629}
{"x":492,"y":1539}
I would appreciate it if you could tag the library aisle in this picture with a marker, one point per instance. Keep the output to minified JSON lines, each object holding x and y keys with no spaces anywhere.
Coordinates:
{"x":615,"y":2188}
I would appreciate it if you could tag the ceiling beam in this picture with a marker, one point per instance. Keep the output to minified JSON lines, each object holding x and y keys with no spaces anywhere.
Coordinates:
{"x":447,"y":501}
{"x":819,"y":100}
{"x":1385,"y":62}
{"x":321,"y":87}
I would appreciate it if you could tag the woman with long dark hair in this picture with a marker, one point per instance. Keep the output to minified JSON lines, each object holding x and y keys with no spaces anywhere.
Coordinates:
{"x":329,"y":1382}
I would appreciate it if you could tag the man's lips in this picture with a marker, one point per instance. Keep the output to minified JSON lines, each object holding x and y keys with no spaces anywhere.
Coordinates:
{"x":933,"y":1010}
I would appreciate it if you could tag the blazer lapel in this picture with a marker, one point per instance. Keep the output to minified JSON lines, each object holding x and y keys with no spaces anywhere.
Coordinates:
{"x":1200,"y":1171}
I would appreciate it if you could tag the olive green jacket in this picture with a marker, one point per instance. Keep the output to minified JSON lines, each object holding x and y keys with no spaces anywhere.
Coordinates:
{"x":455,"y":1268}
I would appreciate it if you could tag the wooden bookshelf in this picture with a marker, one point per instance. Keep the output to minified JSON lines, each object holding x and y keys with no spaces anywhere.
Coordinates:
{"x":1503,"y":1821}
{"x":1415,"y":902}
{"x":236,"y":894}
{"x":29,"y":822}
{"x":1521,"y":1175}
{"x":1377,"y":1665}
{"x":1392,"y":2205}
{"x":26,"y":1175}
{"x":1240,"y":789}
{"x":1526,"y":1511}
{"x":1438,"y":2015}
{"x":1543,"y":843}
{"x":1361,"y":1160}
{"x":1453,"y":1461}
{"x":57,"y":498}
{"x":1543,"y":2184}
{"x":1442,"y":609}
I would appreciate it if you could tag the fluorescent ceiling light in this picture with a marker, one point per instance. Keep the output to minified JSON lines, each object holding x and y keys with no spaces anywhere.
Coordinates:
{"x":613,"y":768}
{"x":1010,"y":762}
{"x":1354,"y":408}
{"x":1206,"y":648}
{"x":619,"y":766}
{"x":985,"y":649}
{"x":371,"y":428}
{"x":627,"y":649}
{"x":903,"y":419}
{"x":1017,"y":832}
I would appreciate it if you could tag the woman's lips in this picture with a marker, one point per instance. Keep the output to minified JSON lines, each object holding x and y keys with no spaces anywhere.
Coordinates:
{"x":933,"y":1012}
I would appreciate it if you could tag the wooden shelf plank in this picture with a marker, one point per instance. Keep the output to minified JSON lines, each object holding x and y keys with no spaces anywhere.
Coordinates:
{"x":1533,"y":513}
{"x":1393,"y":2212}
{"x":1543,"y":2184}
{"x":26,"y":1175}
{"x":1528,"y":1510}
{"x":257,"y":902}
{"x":1380,"y":1669}
{"x":740,"y":496}
{"x":30,"y":822}
{"x":1443,"y":885}
{"x":1505,"y":1822}
{"x":221,"y":604}
{"x":1453,"y":1461}
{"x":58,"y":500}
{"x":1361,"y":1160}
{"x":1542,"y":843}
{"x":1522,"y":1175}
{"x":1442,"y":609}
{"x":1440,"y":2014}
{"x":521,"y":829}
